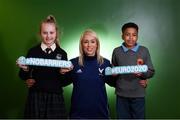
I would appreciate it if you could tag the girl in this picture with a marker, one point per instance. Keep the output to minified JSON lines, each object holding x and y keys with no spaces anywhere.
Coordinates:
{"x":45,"y":98}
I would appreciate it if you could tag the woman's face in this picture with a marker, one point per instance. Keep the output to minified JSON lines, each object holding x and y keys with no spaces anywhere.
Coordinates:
{"x":89,"y":45}
{"x":48,"y":33}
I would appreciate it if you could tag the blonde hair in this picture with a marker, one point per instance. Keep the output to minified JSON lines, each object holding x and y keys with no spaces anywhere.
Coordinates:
{"x":51,"y":19}
{"x":81,"y":52}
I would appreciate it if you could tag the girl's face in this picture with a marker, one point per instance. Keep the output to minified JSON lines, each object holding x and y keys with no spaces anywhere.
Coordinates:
{"x":48,"y":33}
{"x":130,"y":37}
{"x":89,"y":45}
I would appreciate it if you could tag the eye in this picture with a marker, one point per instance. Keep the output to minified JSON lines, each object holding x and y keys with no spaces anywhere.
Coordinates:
{"x":127,"y":34}
{"x":44,"y":32}
{"x":93,"y":41}
{"x":85,"y":41}
{"x":134,"y":35}
{"x":51,"y":32}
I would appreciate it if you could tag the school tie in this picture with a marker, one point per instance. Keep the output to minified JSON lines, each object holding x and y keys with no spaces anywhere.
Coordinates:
{"x":48,"y":50}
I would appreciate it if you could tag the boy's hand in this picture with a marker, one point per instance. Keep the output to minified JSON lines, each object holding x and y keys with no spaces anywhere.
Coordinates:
{"x":138,"y":74}
{"x":143,"y":83}
{"x":30,"y":82}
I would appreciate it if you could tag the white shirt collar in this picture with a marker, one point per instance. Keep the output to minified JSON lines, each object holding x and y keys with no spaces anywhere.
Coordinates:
{"x":44,"y":46}
{"x":135,"y":48}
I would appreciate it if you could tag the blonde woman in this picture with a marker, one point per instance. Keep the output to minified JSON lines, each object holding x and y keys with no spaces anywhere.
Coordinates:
{"x":89,"y":98}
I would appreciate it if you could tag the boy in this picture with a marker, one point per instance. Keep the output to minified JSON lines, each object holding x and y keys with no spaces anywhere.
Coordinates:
{"x":130,"y":88}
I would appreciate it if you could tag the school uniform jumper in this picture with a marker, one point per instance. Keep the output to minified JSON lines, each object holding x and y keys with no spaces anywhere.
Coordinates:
{"x":45,"y":98}
{"x":130,"y":94}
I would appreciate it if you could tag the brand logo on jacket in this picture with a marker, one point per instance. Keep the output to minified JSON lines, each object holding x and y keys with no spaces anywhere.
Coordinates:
{"x":101,"y":71}
{"x":79,"y":71}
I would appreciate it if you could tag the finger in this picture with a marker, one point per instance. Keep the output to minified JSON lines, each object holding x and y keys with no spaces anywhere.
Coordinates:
{"x":138,"y":74}
{"x":32,"y":81}
{"x":30,"y":84}
{"x":143,"y":83}
{"x":71,"y":67}
{"x":29,"y":81}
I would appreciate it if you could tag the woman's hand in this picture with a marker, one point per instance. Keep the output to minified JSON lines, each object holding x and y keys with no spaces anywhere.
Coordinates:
{"x":65,"y":70}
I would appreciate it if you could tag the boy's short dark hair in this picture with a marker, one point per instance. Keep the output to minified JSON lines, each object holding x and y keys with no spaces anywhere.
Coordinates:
{"x":129,"y":25}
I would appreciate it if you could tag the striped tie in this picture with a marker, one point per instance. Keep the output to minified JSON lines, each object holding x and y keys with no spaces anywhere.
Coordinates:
{"x":48,"y":50}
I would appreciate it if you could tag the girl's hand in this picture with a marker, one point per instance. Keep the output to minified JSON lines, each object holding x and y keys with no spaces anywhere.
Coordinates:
{"x":30,"y":82}
{"x":24,"y":67}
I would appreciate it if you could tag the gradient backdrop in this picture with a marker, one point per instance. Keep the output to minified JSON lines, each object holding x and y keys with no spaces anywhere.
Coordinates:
{"x":159,"y":22}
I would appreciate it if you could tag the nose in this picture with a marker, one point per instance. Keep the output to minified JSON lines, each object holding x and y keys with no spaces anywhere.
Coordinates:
{"x":89,"y":44}
{"x":130,"y":37}
{"x":47,"y":35}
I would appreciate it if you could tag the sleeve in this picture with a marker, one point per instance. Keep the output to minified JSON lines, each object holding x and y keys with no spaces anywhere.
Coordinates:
{"x":109,"y":79}
{"x":64,"y":57}
{"x":151,"y":71}
{"x":66,"y":78}
{"x":24,"y":75}
{"x":113,"y":60}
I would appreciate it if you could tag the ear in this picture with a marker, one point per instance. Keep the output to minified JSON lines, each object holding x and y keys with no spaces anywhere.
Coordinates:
{"x":122,"y":37}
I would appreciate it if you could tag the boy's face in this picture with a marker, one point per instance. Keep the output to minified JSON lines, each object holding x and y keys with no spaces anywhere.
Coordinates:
{"x":130,"y":36}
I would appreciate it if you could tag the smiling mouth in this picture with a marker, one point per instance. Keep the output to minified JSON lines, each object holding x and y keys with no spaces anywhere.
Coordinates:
{"x":48,"y":39}
{"x":130,"y":43}
{"x":90,"y":50}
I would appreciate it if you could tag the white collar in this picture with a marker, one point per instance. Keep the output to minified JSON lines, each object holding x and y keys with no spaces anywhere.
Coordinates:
{"x":44,"y":46}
